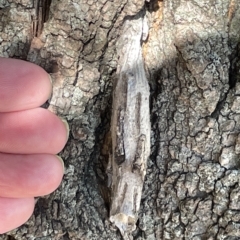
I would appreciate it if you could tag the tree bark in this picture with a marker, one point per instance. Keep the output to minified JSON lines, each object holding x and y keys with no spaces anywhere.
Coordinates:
{"x":191,"y":58}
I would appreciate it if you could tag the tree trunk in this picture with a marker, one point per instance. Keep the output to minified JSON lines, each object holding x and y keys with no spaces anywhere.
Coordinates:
{"x":190,"y":51}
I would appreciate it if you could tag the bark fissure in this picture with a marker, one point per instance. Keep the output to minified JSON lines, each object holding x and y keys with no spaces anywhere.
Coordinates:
{"x":42,"y":9}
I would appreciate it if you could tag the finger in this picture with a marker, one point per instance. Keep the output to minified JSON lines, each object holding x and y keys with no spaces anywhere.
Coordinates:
{"x":32,"y":131}
{"x":23,"y":176}
{"x":14,"y":212}
{"x":23,"y":85}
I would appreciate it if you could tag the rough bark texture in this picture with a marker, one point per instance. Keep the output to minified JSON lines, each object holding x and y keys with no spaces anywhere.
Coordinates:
{"x":192,"y":61}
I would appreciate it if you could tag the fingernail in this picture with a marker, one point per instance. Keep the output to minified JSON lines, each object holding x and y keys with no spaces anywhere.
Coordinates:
{"x":66,"y":125}
{"x":35,"y":200}
{"x":61,"y":160}
{"x":50,"y":78}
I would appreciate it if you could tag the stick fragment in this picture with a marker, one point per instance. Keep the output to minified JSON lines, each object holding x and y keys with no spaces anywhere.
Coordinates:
{"x":130,"y":129}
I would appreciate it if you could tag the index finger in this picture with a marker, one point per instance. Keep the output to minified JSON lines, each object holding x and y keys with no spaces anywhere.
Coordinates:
{"x":23,"y":85}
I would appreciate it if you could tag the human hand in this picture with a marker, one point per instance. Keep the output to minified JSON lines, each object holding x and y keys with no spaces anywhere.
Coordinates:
{"x":30,"y":137}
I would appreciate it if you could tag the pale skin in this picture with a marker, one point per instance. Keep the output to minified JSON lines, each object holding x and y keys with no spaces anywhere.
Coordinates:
{"x":30,"y":138}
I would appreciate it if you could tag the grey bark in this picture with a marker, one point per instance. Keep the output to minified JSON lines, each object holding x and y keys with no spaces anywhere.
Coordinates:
{"x":191,"y":56}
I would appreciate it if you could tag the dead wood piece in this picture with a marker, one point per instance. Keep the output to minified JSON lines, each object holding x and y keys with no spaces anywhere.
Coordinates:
{"x":130,"y":129}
